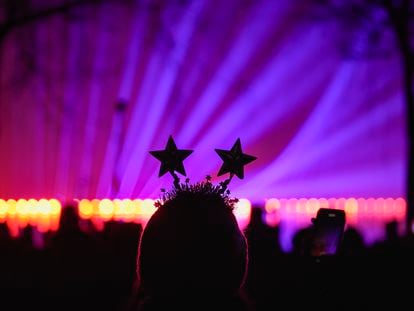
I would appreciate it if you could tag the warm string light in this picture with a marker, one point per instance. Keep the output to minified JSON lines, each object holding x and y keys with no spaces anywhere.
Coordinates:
{"x":126,"y":210}
{"x":44,"y":214}
{"x":139,"y":211}
{"x":242,"y":212}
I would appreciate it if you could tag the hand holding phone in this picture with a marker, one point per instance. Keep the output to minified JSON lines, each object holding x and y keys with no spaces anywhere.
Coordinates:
{"x":329,"y":227}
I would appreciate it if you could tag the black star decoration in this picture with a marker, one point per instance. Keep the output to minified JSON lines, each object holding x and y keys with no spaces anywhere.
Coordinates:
{"x":171,"y":158}
{"x":234,"y":160}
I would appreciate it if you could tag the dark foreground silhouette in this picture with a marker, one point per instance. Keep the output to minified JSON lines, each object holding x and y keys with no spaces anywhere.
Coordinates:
{"x":80,"y":268}
{"x":192,"y":254}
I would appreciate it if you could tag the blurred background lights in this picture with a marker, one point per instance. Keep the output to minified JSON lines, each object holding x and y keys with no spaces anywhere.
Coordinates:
{"x":242,"y":212}
{"x":290,"y":214}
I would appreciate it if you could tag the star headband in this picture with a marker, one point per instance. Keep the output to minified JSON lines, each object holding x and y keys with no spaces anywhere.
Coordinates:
{"x":172,"y":159}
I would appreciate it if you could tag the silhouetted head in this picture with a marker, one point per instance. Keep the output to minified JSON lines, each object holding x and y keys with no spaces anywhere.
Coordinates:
{"x":391,"y":230}
{"x":352,"y":242}
{"x":4,"y":232}
{"x":256,"y":216}
{"x":26,"y":236}
{"x":69,"y":219}
{"x":302,"y":241}
{"x":192,"y":245}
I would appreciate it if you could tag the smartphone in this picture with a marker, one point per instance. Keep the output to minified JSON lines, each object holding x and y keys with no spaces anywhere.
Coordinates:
{"x":329,"y":226}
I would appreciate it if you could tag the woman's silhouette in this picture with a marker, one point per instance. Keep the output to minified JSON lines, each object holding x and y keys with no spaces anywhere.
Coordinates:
{"x":192,"y":253}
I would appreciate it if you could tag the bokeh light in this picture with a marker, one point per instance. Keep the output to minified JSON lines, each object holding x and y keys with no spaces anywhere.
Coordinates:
{"x":242,"y":212}
{"x":291,"y":214}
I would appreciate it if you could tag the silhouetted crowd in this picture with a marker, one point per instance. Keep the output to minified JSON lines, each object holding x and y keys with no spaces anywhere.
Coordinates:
{"x":78,"y":267}
{"x":81,"y":268}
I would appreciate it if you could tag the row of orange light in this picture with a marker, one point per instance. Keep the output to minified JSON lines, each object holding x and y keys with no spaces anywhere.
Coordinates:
{"x":125,"y":210}
{"x":44,"y":214}
{"x":356,"y":209}
{"x":138,"y":210}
